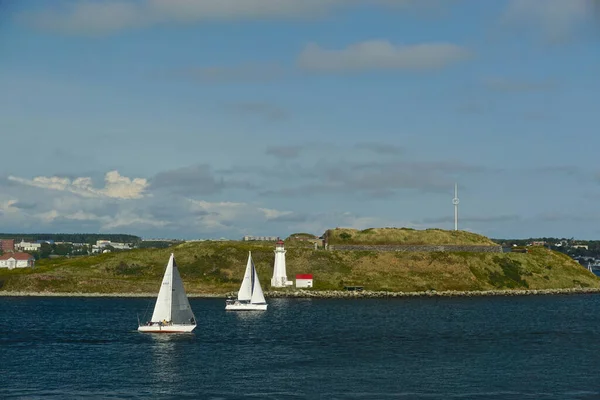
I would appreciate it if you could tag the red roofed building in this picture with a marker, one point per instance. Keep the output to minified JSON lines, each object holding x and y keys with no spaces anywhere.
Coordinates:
{"x":304,"y":281}
{"x":17,"y":260}
{"x":7,"y":245}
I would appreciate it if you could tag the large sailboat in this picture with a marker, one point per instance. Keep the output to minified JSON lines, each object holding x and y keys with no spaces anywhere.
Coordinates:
{"x":172,"y":312}
{"x":250,"y":296}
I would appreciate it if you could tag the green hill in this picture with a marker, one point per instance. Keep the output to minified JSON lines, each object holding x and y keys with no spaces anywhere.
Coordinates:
{"x":217,"y":267}
{"x":404,"y":236}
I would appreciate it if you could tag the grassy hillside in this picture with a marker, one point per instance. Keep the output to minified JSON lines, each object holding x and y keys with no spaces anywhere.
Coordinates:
{"x":217,"y":267}
{"x":405,"y":236}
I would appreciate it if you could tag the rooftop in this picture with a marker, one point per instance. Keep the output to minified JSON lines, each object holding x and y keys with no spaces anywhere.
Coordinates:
{"x":16,"y":256}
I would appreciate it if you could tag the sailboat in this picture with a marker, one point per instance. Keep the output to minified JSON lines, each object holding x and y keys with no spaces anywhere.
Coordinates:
{"x":250,"y":296}
{"x":172,"y":312}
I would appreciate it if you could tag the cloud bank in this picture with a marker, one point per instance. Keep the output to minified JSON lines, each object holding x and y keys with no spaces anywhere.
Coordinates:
{"x":381,"y":55}
{"x":106,"y":17}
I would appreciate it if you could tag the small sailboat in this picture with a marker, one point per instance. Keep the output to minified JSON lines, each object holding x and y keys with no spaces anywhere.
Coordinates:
{"x":250,"y":296}
{"x":172,"y":312}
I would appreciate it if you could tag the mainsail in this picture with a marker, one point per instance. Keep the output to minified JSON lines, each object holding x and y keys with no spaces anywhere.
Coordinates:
{"x":245,"y":292}
{"x":250,"y":289}
{"x":172,"y":303}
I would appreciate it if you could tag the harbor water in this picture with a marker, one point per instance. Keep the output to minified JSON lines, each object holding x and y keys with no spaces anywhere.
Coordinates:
{"x":524,"y":347}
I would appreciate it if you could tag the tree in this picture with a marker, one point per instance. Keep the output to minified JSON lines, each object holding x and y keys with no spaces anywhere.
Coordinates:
{"x":62,"y":249}
{"x":45,"y":250}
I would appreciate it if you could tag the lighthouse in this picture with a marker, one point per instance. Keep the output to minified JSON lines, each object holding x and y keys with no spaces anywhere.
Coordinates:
{"x":279,"y":273}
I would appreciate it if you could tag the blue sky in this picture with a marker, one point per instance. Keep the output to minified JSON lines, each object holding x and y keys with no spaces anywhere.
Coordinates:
{"x":200,"y":119}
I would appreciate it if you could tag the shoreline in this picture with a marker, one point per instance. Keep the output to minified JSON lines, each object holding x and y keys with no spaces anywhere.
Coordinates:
{"x":324,"y":294}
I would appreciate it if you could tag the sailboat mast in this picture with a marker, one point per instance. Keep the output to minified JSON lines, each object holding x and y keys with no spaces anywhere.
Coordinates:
{"x":253,"y":277}
{"x":171,"y":291}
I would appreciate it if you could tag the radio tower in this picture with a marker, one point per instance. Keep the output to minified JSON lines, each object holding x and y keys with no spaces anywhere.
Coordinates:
{"x":455,"y":202}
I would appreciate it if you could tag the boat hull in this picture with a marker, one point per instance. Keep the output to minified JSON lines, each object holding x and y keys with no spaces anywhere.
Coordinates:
{"x":166,"y":328}
{"x":245,"y":307}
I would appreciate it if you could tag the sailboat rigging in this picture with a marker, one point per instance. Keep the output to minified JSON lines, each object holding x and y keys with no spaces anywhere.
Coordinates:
{"x":250,"y":296}
{"x":172,"y":312}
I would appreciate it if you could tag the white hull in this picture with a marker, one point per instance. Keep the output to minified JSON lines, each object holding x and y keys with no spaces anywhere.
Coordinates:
{"x":166,"y":328}
{"x":246,"y":307}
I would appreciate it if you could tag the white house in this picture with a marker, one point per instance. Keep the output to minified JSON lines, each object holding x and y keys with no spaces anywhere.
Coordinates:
{"x":304,"y":281}
{"x":17,"y":260}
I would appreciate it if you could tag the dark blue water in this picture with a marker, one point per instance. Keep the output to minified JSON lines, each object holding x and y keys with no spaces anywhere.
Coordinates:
{"x":462,"y":348}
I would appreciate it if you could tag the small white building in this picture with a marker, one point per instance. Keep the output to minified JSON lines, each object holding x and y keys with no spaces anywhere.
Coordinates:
{"x":304,"y":281}
{"x":17,"y":260}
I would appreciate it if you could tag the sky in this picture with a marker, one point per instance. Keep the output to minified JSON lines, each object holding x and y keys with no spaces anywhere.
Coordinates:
{"x":222,"y":118}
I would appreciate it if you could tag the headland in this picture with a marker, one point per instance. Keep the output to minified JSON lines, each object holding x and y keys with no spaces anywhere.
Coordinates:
{"x":386,"y":262}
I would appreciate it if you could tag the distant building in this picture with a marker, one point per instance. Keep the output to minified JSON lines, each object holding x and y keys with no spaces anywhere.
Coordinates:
{"x":580,"y":246}
{"x":538,"y":243}
{"x":261,"y":238}
{"x":304,"y":281}
{"x":27,"y":246}
{"x":121,"y":246}
{"x":7,"y":245}
{"x":100,"y":246}
{"x":17,"y":260}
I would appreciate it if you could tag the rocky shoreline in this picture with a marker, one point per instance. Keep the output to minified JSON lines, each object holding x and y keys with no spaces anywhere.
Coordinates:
{"x":334,"y":294}
{"x":327,"y":294}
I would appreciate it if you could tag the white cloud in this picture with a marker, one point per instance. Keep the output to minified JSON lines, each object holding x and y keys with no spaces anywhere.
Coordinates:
{"x":274,"y":214}
{"x":116,"y":185}
{"x":381,"y":54}
{"x":121,"y":187}
{"x":8,"y":207}
{"x":104,"y":17}
{"x":219,"y":215}
{"x":130,"y":219}
{"x":233,"y":216}
{"x":48,"y":216}
{"x":122,"y":220}
{"x":557,"y":19}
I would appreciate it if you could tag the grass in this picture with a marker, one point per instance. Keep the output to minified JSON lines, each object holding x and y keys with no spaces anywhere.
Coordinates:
{"x":217,"y":267}
{"x":404,"y":236}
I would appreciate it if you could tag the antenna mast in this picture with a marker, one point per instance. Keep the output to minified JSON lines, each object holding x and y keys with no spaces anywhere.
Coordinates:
{"x":455,"y":202}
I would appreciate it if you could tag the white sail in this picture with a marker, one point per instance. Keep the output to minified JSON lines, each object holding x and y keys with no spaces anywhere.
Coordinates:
{"x":245,"y":292}
{"x":162,"y":309}
{"x":257,"y":294}
{"x":181,"y":312}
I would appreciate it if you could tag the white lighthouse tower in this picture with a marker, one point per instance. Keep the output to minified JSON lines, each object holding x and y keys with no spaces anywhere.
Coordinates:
{"x":279,"y":273}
